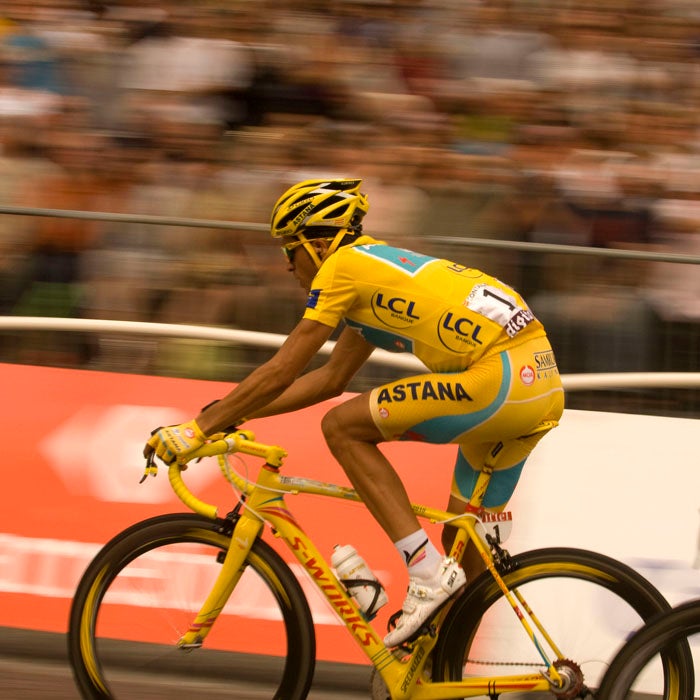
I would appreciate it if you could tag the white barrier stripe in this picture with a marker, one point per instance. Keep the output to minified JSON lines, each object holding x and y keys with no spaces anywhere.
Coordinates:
{"x":631,"y":380}
{"x":174,"y":330}
{"x":572,"y":382}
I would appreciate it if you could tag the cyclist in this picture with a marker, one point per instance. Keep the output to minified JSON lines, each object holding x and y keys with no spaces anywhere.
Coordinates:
{"x":491,"y":385}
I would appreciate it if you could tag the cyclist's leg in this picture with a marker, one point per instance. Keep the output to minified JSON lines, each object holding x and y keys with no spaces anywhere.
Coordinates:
{"x":514,"y":405}
{"x":438,"y":408}
{"x":479,"y":407}
{"x":507,"y":469}
{"x":353,"y":437}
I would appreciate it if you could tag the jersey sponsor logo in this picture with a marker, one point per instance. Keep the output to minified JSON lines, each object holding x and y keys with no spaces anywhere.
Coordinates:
{"x":545,"y":364}
{"x":302,"y":214}
{"x":464,"y":270}
{"x":499,"y":306}
{"x":312,"y":298}
{"x":527,"y":375}
{"x":424,"y":390}
{"x":455,"y":332}
{"x":487,"y":516}
{"x":394,"y":311}
{"x":518,"y":321}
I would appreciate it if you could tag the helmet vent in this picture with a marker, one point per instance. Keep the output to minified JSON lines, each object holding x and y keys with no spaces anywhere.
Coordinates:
{"x":338,"y":211}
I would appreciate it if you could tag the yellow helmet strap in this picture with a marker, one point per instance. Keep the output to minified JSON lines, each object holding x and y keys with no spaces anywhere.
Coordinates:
{"x":335,"y":243}
{"x":310,"y":249}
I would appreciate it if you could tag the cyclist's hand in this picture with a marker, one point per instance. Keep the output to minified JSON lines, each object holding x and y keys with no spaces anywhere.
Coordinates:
{"x":174,"y":442}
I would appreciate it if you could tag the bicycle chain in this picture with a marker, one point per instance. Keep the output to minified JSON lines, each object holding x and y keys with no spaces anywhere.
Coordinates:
{"x":506,"y":663}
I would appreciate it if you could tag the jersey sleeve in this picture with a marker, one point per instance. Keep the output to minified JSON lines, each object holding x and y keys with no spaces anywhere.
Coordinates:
{"x":333,"y":292}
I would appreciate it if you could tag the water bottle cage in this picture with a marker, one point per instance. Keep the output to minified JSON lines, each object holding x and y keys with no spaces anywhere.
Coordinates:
{"x":375,"y":585}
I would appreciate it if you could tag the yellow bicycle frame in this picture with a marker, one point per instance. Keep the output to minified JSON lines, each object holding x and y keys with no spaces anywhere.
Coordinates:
{"x":264,"y":501}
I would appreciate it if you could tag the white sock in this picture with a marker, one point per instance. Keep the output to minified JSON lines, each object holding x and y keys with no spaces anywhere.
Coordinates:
{"x":419,"y":554}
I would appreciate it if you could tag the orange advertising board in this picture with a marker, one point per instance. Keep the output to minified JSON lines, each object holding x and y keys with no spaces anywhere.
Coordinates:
{"x":70,"y":481}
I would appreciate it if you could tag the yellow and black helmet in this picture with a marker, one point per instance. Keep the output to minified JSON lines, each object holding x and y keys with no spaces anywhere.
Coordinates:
{"x":321,"y":204}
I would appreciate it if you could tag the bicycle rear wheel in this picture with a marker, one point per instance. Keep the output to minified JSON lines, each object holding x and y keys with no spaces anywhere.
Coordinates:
{"x":143,"y":590}
{"x":588,"y":603}
{"x":669,"y":628}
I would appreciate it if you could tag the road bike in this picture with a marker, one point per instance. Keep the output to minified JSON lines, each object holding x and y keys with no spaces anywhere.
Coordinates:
{"x":206,"y":587}
{"x":659,"y":634}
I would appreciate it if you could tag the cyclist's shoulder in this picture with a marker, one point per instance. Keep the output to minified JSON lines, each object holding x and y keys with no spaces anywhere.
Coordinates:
{"x":369,"y":252}
{"x":364,"y":245}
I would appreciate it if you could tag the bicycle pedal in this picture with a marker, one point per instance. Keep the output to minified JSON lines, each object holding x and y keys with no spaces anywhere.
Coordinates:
{"x":425,"y":630}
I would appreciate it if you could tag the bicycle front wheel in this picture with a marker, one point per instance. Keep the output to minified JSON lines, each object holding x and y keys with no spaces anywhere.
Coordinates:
{"x":589,"y":605}
{"x":679,"y":625}
{"x":142,"y":592}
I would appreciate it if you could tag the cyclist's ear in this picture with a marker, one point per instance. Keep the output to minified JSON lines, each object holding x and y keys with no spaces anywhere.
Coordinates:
{"x":320,"y":246}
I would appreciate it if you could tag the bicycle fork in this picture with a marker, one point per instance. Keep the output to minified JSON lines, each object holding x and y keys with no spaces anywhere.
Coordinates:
{"x":245,"y":531}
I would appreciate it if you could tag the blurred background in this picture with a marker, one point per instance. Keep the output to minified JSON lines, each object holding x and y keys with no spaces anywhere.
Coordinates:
{"x":571,"y":123}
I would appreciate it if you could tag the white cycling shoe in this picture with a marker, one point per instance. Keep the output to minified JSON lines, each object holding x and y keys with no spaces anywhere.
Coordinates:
{"x":425,"y":597}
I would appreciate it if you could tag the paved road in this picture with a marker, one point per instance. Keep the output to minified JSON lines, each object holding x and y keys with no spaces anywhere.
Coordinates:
{"x":22,"y":679}
{"x":33,"y":666}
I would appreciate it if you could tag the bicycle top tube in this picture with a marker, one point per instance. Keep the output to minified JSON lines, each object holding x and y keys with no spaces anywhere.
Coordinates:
{"x":243,"y":442}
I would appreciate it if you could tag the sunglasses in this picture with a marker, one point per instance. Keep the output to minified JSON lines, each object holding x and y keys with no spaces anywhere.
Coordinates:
{"x":289,"y":250}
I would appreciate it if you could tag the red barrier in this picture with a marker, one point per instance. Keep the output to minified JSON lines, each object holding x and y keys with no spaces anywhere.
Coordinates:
{"x":73,"y":442}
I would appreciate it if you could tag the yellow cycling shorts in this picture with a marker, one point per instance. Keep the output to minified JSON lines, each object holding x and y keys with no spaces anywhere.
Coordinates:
{"x":513,"y":397}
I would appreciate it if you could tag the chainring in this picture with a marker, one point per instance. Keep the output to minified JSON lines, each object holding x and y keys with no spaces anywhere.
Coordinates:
{"x":572,"y":676}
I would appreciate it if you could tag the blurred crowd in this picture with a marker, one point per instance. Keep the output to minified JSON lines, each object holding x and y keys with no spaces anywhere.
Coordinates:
{"x":551,"y":121}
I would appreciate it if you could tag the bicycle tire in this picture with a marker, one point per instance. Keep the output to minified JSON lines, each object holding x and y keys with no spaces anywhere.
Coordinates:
{"x":182,"y":554}
{"x":626,"y":598}
{"x":665,"y":629}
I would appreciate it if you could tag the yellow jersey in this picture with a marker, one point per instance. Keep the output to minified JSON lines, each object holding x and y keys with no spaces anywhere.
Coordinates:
{"x":447,"y":314}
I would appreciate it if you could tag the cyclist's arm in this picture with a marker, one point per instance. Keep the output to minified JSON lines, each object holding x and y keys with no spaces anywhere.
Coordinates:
{"x":254,"y":395}
{"x":331,"y":379}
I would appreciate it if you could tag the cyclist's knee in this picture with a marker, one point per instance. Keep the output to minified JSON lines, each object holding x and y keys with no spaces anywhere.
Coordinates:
{"x":330,"y":426}
{"x":350,"y":422}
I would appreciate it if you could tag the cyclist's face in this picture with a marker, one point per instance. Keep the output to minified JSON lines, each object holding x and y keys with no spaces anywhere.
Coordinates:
{"x":290,"y":249}
{"x":299,"y":262}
